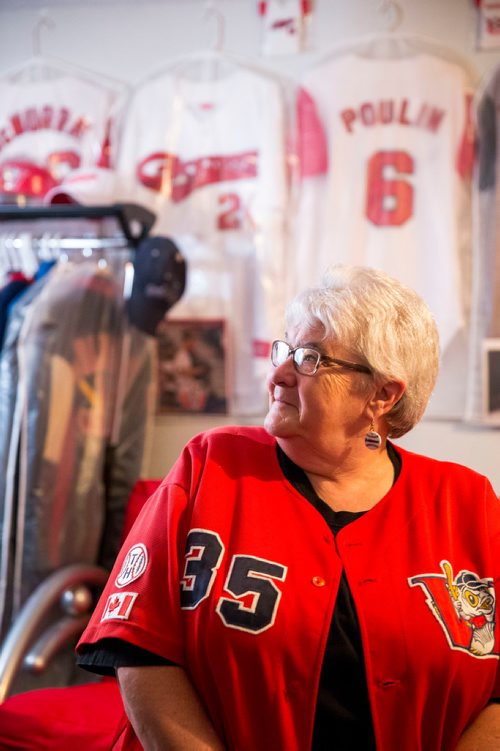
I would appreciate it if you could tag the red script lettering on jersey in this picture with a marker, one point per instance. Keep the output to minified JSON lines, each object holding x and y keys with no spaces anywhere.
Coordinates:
{"x":177,"y":179}
{"x":43,"y":118}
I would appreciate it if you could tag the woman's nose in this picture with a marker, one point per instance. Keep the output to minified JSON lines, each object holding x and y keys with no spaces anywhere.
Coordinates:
{"x":284,"y":373}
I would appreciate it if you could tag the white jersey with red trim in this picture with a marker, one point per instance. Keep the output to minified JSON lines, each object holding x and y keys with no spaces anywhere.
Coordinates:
{"x":232,"y":574}
{"x":48,"y":129}
{"x":211,"y":164}
{"x":393,"y":195}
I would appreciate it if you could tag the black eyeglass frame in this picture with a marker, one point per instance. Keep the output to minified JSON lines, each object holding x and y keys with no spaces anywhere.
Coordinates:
{"x":322,"y":359}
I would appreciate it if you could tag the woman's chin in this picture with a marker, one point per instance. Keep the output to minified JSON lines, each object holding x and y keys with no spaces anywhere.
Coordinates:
{"x":281,"y":420}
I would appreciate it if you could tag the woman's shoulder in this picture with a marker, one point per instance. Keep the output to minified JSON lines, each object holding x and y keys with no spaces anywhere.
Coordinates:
{"x":236,"y":435}
{"x":235,"y":450}
{"x":434,"y":469}
{"x":230,"y":443}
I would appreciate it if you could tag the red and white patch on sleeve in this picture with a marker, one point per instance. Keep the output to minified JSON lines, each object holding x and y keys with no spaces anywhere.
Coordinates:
{"x":118,"y":606}
{"x":134,"y":565}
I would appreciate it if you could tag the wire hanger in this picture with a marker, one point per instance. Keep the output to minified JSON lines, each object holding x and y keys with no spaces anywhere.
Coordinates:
{"x":206,"y":64}
{"x":211,"y":12}
{"x":42,"y":67}
{"x":394,"y":43}
{"x":211,"y":62}
{"x":44,"y":21}
{"x":392,"y":13}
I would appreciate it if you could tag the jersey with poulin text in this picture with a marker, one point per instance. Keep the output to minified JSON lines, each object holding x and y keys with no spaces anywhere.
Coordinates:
{"x":395,"y":192}
{"x":233,"y":574}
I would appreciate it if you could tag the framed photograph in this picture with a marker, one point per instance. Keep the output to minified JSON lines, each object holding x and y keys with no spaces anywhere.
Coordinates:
{"x":491,"y":381}
{"x":192,"y":366}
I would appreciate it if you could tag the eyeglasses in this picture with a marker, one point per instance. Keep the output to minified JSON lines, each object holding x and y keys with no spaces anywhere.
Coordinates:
{"x":307,"y":360}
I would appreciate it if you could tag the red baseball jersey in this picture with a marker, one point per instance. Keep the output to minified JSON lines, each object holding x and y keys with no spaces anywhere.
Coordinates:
{"x":233,"y":574}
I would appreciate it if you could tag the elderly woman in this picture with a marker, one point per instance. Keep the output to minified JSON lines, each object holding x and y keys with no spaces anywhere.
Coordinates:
{"x":309,"y":585}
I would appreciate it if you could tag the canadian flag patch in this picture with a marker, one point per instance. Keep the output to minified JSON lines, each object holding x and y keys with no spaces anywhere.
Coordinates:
{"x":118,"y":606}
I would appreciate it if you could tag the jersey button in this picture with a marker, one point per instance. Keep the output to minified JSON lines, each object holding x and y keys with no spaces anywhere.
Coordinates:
{"x":318,"y":581}
{"x":388,"y":683}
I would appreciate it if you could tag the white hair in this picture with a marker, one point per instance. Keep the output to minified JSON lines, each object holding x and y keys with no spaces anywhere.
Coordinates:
{"x":385,"y":324}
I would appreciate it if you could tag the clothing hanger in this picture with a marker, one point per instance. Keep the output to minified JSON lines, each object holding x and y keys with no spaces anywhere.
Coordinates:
{"x":390,"y":42}
{"x":211,"y":62}
{"x":392,"y":13}
{"x":42,"y":67}
{"x":20,"y":249}
{"x":211,"y":12}
{"x":7,"y":258}
{"x":17,"y":254}
{"x":398,"y":45}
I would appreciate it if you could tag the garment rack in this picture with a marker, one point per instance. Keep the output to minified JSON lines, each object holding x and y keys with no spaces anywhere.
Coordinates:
{"x":134,"y":221}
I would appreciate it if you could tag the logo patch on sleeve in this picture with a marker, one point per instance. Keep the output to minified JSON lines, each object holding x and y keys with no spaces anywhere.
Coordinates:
{"x":118,"y":606}
{"x":134,"y":565}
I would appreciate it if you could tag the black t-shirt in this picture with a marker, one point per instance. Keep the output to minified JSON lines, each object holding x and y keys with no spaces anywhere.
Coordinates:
{"x":343,"y":718}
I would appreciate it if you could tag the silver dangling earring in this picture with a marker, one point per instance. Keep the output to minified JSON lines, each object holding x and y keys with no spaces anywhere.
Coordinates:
{"x":373,"y":440}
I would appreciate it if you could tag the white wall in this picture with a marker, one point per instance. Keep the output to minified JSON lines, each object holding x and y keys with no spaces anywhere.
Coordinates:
{"x":127,"y":40}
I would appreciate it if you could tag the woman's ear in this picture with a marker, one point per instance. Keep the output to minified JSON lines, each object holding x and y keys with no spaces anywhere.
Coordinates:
{"x":386,"y":396}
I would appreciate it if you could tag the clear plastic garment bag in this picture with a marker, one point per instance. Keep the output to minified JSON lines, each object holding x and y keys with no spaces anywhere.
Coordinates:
{"x":75,"y":402}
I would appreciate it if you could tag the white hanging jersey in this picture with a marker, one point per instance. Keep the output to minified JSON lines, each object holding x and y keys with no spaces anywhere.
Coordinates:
{"x":393,"y":195}
{"x":209,"y":158}
{"x":48,"y":129}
